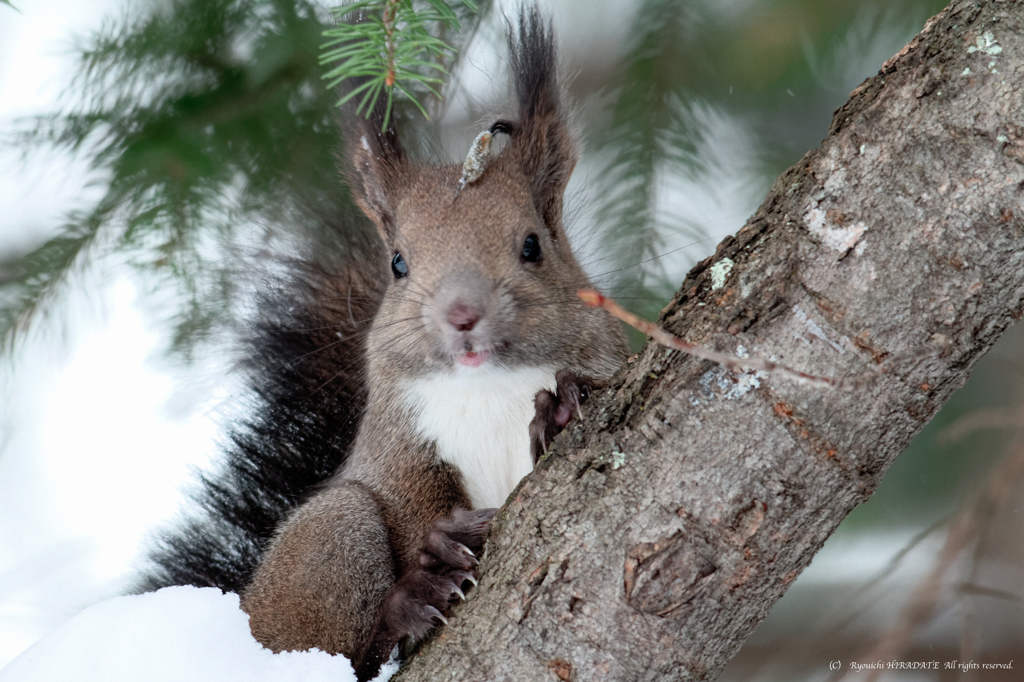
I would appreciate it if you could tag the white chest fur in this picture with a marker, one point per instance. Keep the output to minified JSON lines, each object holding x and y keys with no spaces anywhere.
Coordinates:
{"x":479,"y":418}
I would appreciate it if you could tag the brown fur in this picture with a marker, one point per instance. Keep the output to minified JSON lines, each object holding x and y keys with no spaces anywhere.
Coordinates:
{"x":338,"y":568}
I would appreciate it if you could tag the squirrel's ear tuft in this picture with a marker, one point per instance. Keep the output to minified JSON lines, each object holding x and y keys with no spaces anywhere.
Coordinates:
{"x":375,"y":162}
{"x":543,"y":142}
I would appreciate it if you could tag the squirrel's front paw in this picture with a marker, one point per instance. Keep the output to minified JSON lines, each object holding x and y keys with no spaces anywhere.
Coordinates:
{"x":555,"y":410}
{"x":421,"y":597}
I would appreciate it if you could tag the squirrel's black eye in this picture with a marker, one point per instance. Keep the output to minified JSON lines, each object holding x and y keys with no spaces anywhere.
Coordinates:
{"x":398,"y":266}
{"x":531,"y":250}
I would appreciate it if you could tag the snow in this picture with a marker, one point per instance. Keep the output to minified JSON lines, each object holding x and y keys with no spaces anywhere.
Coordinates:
{"x":180,"y":634}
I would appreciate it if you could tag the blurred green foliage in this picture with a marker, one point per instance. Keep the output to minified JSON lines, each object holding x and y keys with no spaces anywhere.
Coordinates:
{"x":209,"y":126}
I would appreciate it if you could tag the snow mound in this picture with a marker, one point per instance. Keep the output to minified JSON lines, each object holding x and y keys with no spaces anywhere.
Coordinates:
{"x":179,"y":634}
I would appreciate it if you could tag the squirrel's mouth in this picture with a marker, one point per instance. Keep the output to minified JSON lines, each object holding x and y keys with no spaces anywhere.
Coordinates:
{"x":473,"y":358}
{"x":475,"y":351}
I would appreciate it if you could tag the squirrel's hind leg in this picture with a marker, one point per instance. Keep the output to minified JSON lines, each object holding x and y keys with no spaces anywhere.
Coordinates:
{"x":324,"y":576}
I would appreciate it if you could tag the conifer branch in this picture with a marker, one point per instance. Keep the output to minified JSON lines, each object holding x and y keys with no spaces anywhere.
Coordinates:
{"x":387,"y":43}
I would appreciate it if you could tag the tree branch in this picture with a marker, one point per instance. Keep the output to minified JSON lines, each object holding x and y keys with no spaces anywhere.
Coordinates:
{"x":663,"y":526}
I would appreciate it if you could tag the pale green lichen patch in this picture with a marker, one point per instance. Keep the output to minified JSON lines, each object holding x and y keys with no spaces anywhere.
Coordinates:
{"x":719,"y":272}
{"x":618,"y":459}
{"x":721,"y":382}
{"x":986,"y":43}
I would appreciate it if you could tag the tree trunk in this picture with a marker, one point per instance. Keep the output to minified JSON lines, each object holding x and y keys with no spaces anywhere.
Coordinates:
{"x":667,"y":522}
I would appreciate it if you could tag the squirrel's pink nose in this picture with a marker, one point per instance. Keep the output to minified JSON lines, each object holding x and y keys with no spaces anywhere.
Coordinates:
{"x":463,"y":316}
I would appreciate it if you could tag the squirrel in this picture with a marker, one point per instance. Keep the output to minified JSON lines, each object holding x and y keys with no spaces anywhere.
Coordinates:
{"x":462,"y":361}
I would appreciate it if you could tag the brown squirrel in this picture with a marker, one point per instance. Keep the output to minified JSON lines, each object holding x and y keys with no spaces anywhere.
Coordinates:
{"x":477,"y":355}
{"x":478,"y":320}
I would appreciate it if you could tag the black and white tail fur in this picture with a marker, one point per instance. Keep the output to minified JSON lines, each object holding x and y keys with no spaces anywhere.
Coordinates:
{"x":305,"y":365}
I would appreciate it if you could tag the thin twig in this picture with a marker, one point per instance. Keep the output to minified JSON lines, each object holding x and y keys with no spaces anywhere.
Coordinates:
{"x":731,"y":362}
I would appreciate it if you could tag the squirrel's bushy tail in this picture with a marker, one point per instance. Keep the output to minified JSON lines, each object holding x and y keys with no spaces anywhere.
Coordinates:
{"x":305,"y":361}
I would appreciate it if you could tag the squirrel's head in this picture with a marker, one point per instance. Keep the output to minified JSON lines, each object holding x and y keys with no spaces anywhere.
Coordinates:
{"x":481,"y":268}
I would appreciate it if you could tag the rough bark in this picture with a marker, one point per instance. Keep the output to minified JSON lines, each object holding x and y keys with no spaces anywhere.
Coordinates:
{"x":667,"y":522}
